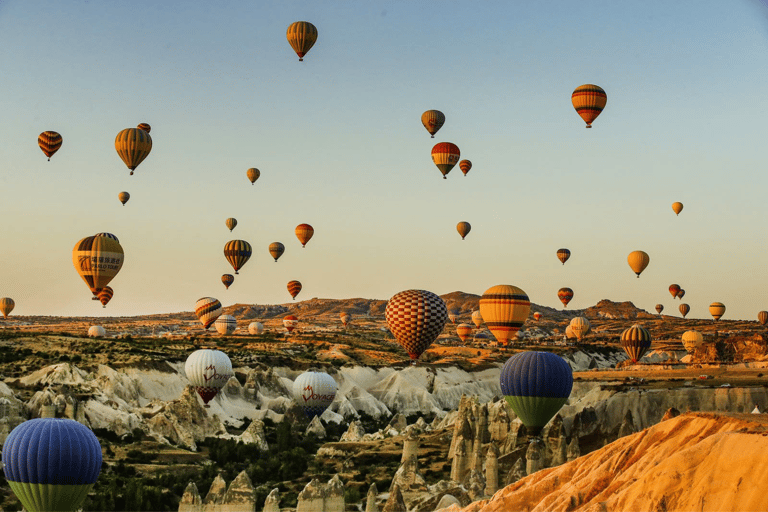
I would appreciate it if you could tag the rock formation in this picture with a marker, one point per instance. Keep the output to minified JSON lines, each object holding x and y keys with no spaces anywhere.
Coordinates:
{"x":395,"y":503}
{"x":573,"y":451}
{"x":272,"y":503}
{"x":354,"y":433}
{"x":407,"y":477}
{"x":190,"y":500}
{"x":370,"y":499}
{"x":316,"y":427}
{"x":240,"y":496}
{"x":410,"y":446}
{"x":446,"y":501}
{"x":517,"y":472}
{"x":491,"y":470}
{"x":254,"y":434}
{"x":316,"y":497}
{"x":215,"y":494}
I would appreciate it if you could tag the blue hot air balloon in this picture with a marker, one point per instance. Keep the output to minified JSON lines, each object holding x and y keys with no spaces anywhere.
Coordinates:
{"x":536,"y":385}
{"x":51,"y":464}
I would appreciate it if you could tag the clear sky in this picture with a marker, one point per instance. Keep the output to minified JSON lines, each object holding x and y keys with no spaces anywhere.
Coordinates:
{"x":340,"y":145}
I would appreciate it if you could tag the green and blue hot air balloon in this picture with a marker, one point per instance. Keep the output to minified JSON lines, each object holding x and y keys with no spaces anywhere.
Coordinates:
{"x":536,"y":385}
{"x":51,"y":464}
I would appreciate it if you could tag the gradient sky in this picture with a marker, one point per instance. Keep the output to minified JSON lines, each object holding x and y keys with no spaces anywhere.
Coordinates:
{"x":340,"y":145}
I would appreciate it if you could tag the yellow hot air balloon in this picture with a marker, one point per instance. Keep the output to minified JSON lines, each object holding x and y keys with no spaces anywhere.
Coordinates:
{"x":145,"y":127}
{"x":6,"y":306}
{"x":253,"y":174}
{"x":677,"y":207}
{"x":237,"y":253}
{"x":692,"y":340}
{"x":304,"y":233}
{"x":97,"y":259}
{"x":463,"y":228}
{"x":589,"y":101}
{"x":231,"y":223}
{"x":464,"y":331}
{"x":504,"y":308}
{"x":276,"y":249}
{"x":580,"y":327}
{"x":432,"y":120}
{"x":123,"y":197}
{"x":301,"y":36}
{"x":49,"y":143}
{"x":716,"y":309}
{"x":133,"y":145}
{"x":638,"y":260}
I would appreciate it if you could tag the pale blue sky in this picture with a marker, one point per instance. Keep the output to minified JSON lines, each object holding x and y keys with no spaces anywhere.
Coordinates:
{"x":339,"y":144}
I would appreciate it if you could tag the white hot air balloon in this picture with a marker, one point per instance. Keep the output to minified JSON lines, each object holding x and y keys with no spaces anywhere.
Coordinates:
{"x":96,"y":331}
{"x":255,"y":328}
{"x":225,"y":324}
{"x":580,"y":327}
{"x":208,"y":371}
{"x":314,"y":392}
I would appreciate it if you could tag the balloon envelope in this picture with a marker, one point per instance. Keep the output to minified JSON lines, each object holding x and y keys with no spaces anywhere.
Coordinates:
{"x":464,"y":331}
{"x":674,"y":289}
{"x":133,"y":146}
{"x":563,"y":255}
{"x":97,"y":259}
{"x":589,"y":101}
{"x":432,"y":120}
{"x":565,"y":295}
{"x":762,"y":317}
{"x":294,"y":287}
{"x":463,"y":228}
{"x":636,"y":341}
{"x":537,"y":316}
{"x":717,"y":309}
{"x":677,"y":207}
{"x":6,"y":306}
{"x":465,"y":166}
{"x":227,"y":279}
{"x":416,"y":318}
{"x":208,"y":371}
{"x":504,"y":308}
{"x":684,"y":309}
{"x":314,"y":392}
{"x":145,"y":127}
{"x":255,"y":328}
{"x":580,"y":327}
{"x":659,"y":308}
{"x":231,"y":223}
{"x":105,"y":295}
{"x":96,"y":331}
{"x":290,"y":322}
{"x":445,"y":155}
{"x":49,"y":143}
{"x":208,"y":310}
{"x":692,"y":340}
{"x":276,"y":249}
{"x":301,"y":36}
{"x":304,"y":233}
{"x":477,"y":318}
{"x":638,"y":260}
{"x":237,"y":253}
{"x":225,"y":324}
{"x":253,"y":174}
{"x":123,"y":197}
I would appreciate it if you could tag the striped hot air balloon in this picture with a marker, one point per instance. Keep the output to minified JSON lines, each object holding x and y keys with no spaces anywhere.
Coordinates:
{"x":276,"y":249}
{"x":97,"y":259}
{"x":659,"y":308}
{"x":96,"y":331}
{"x":464,"y":331}
{"x":445,"y":155}
{"x":580,"y":327}
{"x":569,"y":334}
{"x":465,"y":166}
{"x":51,"y":464}
{"x":638,"y":260}
{"x":314,"y":392}
{"x":231,"y":223}
{"x":504,"y":308}
{"x":253,"y":174}
{"x":692,"y":340}
{"x":677,"y":207}
{"x":49,"y":143}
{"x":301,"y":36}
{"x":537,"y":316}
{"x":463,"y":228}
{"x":636,"y":341}
{"x":133,"y":145}
{"x":105,"y":295}
{"x":762,"y":317}
{"x":294,"y":287}
{"x":237,"y":253}
{"x":6,"y":306}
{"x":416,"y":318}
{"x":227,"y":279}
{"x":684,"y":309}
{"x":290,"y":322}
{"x":304,"y":233}
{"x":145,"y":127}
{"x":477,"y":318}
{"x":589,"y":101}
{"x":565,"y":295}
{"x":123,"y":197}
{"x":563,"y":255}
{"x":108,"y":235}
{"x":717,"y":309}
{"x":536,"y":385}
{"x":674,"y":289}
{"x":255,"y":328}
{"x":432,"y":120}
{"x":208,"y":371}
{"x":208,"y":310}
{"x":225,"y":325}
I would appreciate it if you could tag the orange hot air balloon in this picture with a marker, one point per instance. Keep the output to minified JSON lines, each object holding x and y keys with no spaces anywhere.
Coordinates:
{"x":762,"y":317}
{"x":227,"y":279}
{"x":565,"y":295}
{"x":464,"y":331}
{"x":465,"y":166}
{"x":463,"y":228}
{"x":563,"y":255}
{"x":294,"y":287}
{"x":97,"y":259}
{"x":49,"y":143}
{"x":445,"y":155}
{"x":276,"y":249}
{"x":659,"y":308}
{"x":677,"y":207}
{"x":674,"y":290}
{"x":301,"y":36}
{"x":105,"y":295}
{"x":589,"y":101}
{"x":133,"y":146}
{"x":290,"y":322}
{"x":504,"y":308}
{"x":253,"y":174}
{"x":123,"y":197}
{"x":681,"y":294}
{"x":230,"y":223}
{"x":716,"y":309}
{"x":304,"y":233}
{"x":432,"y":120}
{"x":145,"y":127}
{"x":684,"y":309}
{"x":638,"y":260}
{"x":537,"y":316}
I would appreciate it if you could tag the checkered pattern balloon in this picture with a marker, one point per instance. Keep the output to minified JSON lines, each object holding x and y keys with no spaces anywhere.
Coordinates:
{"x":416,"y":318}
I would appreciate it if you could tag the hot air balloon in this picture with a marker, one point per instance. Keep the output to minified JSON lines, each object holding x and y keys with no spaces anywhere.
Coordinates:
{"x":716,"y":309}
{"x":105,"y":295}
{"x":237,"y":253}
{"x":762,"y":316}
{"x":565,"y":295}
{"x":255,"y":328}
{"x":537,"y":316}
{"x":276,"y":249}
{"x":51,"y":463}
{"x":108,"y":235}
{"x":432,"y":120}
{"x":416,"y":318}
{"x":227,"y":279}
{"x":636,"y":341}
{"x":464,"y":331}
{"x":290,"y":322}
{"x":208,"y":371}
{"x":133,"y":145}
{"x":123,"y":197}
{"x":145,"y":127}
{"x":301,"y":36}
{"x":674,"y":289}
{"x":480,"y":336}
{"x":453,"y":315}
{"x":6,"y":306}
{"x":569,"y":334}
{"x":345,"y":318}
{"x":563,"y":255}
{"x":638,"y":260}
{"x":231,"y":223}
{"x":681,"y":294}
{"x":684,"y":309}
{"x":580,"y":327}
{"x":314,"y":392}
{"x":253,"y":174}
{"x":477,"y":318}
{"x":208,"y":310}
{"x":304,"y":233}
{"x":225,"y":324}
{"x":294,"y":287}
{"x":504,"y":308}
{"x":465,"y":166}
{"x":96,"y":331}
{"x":677,"y":207}
{"x":463,"y":228}
{"x":536,"y":385}
{"x":97,"y":259}
{"x":49,"y":142}
{"x":589,"y":100}
{"x":659,"y":308}
{"x":445,"y":155}
{"x":692,"y":340}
